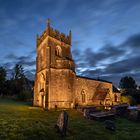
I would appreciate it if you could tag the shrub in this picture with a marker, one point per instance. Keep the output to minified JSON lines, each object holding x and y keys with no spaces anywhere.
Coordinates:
{"x":128,"y":99}
{"x":25,"y":95}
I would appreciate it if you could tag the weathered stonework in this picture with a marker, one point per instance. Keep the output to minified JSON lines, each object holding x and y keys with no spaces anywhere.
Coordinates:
{"x":56,"y":83}
{"x":89,"y":88}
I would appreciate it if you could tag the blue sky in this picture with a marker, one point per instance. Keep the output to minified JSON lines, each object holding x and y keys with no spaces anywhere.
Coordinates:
{"x":105,"y":34}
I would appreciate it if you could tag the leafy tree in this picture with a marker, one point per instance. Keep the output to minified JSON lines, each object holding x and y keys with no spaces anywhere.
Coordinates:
{"x":18,"y":72}
{"x":18,"y":80}
{"x":2,"y":79}
{"x":127,"y":83}
{"x":128,"y":99}
{"x":20,"y":85}
{"x":9,"y":87}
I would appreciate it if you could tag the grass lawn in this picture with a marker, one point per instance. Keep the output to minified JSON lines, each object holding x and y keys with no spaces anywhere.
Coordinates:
{"x":21,"y":121}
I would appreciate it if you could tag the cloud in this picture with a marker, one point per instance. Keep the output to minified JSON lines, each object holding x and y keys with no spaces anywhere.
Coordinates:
{"x":29,"y":74}
{"x":7,"y":65}
{"x":107,"y":52}
{"x":27,"y":61}
{"x":110,"y":62}
{"x":90,"y":58}
{"x":11,"y":56}
{"x":28,"y":67}
{"x":133,"y":41}
{"x":128,"y":65}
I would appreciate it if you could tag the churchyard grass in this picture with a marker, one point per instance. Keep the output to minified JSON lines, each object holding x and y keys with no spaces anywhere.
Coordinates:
{"x":21,"y":121}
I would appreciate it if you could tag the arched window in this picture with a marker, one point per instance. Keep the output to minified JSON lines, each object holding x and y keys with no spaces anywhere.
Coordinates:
{"x":116,"y":98}
{"x":58,"y":51}
{"x":83,"y":95}
{"x":83,"y":98}
{"x":42,"y":82}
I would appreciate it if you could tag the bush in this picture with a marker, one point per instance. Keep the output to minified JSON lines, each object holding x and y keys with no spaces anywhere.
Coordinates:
{"x":128,"y":99}
{"x":25,"y":95}
{"x":137,"y":98}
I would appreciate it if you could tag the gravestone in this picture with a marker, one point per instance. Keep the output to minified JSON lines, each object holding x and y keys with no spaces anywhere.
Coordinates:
{"x":86,"y":113}
{"x":133,"y":113}
{"x":62,"y":123}
{"x":120,"y":109}
{"x":109,"y":124}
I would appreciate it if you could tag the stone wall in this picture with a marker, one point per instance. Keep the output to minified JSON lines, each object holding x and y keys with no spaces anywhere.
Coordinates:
{"x":88,"y":87}
{"x":61,"y":88}
{"x":41,"y":80}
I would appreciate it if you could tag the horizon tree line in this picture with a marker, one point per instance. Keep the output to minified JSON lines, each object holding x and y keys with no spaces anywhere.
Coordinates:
{"x":18,"y":86}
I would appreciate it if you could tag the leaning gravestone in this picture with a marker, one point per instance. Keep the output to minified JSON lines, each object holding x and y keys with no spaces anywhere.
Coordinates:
{"x":62,"y":123}
{"x":86,"y":113}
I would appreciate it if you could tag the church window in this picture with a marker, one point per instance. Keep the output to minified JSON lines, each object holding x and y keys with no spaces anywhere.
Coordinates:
{"x":115,"y":98}
{"x":83,"y":98}
{"x":83,"y":95}
{"x":58,"y":51}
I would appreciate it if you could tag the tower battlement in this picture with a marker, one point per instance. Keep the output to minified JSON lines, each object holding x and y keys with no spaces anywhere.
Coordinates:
{"x":55,"y":34}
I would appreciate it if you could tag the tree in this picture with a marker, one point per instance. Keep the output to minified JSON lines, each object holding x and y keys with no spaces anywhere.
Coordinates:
{"x":18,"y":72}
{"x":127,"y":83}
{"x":18,"y":86}
{"x":128,"y":99}
{"x":18,"y":80}
{"x":21,"y":86}
{"x":2,"y":80}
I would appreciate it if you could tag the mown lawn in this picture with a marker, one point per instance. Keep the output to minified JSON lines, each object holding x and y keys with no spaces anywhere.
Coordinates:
{"x":21,"y":121}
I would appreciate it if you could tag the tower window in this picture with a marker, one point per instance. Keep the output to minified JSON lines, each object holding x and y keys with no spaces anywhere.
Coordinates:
{"x":58,"y":51}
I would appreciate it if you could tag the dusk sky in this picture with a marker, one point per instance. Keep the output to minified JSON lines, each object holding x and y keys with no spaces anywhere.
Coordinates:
{"x":105,"y":34}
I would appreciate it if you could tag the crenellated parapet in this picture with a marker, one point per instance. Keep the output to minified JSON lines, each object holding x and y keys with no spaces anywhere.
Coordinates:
{"x":55,"y":34}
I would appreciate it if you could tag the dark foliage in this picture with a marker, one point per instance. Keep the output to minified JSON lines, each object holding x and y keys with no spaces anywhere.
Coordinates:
{"x":127,"y":83}
{"x":129,"y":99}
{"x":2,"y":80}
{"x":129,"y":90}
{"x":18,"y":86}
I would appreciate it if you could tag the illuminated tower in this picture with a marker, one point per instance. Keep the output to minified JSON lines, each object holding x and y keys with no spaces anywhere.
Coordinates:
{"x":55,"y":70}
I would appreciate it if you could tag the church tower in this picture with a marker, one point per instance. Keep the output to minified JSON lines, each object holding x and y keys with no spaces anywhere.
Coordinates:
{"x":55,"y":70}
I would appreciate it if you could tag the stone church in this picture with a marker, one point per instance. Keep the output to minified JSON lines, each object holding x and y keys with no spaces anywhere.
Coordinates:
{"x":56,"y":82}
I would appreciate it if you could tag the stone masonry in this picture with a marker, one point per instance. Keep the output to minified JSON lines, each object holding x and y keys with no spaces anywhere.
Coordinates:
{"x":56,"y":84}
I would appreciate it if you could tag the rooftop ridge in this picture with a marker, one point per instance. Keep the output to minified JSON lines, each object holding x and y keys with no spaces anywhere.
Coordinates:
{"x":78,"y":76}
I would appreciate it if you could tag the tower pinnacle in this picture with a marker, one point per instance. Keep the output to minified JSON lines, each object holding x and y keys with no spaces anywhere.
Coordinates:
{"x":70,"y":36}
{"x":48,"y":23}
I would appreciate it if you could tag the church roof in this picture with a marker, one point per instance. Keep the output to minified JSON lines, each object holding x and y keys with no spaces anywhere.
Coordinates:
{"x":93,"y":79}
{"x":100,"y":95}
{"x":115,"y":89}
